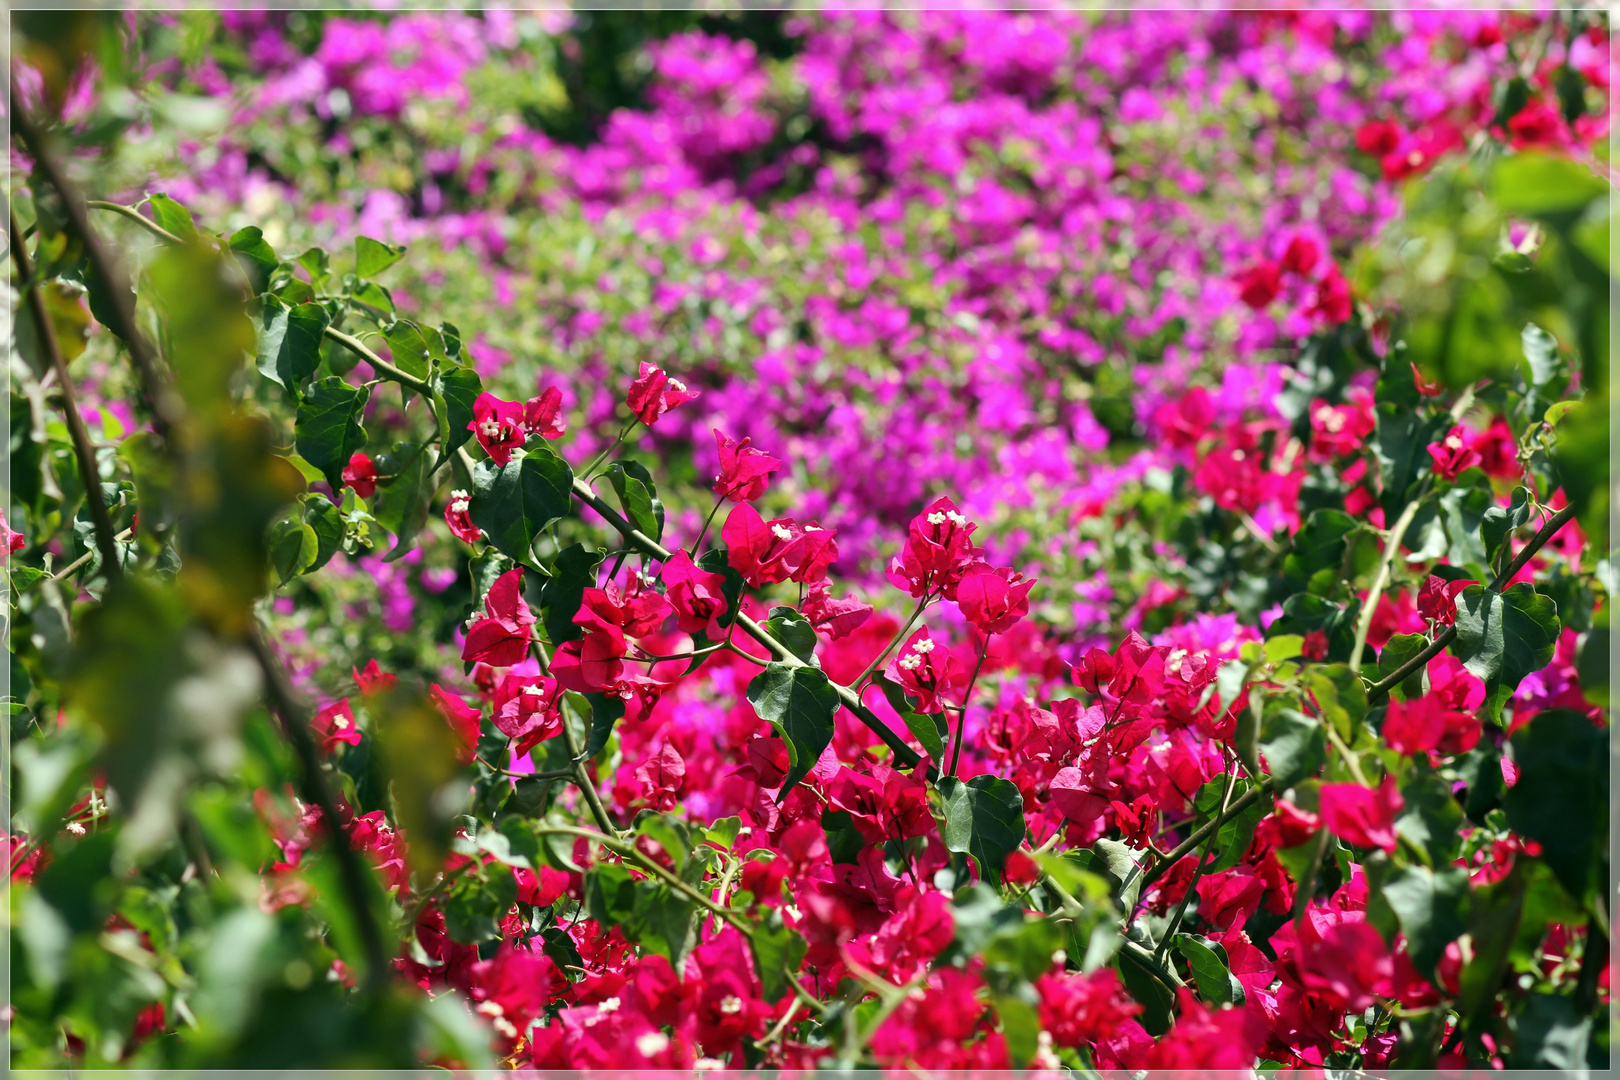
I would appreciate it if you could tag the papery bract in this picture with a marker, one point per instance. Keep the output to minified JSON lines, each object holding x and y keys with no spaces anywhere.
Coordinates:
{"x":462,"y":718}
{"x":498,"y":426}
{"x":653,"y":393}
{"x":1364,"y":817}
{"x":744,"y":471}
{"x":993,"y":598}
{"x":502,"y":637}
{"x":361,"y":475}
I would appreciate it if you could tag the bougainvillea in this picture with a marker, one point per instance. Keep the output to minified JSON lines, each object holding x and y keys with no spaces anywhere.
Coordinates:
{"x":921,"y":541}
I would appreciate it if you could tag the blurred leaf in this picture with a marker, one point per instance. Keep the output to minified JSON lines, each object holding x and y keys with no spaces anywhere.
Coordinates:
{"x":1562,"y":795}
{"x":372,"y":257}
{"x":1431,"y":907}
{"x":777,"y":950}
{"x":1294,"y":745}
{"x":257,"y":257}
{"x":172,"y":217}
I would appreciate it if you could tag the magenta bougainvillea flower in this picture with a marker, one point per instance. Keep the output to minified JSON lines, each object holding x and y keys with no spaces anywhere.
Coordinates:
{"x":498,"y":426}
{"x":654,"y":393}
{"x":361,"y":475}
{"x":744,"y":471}
{"x":501,"y":637}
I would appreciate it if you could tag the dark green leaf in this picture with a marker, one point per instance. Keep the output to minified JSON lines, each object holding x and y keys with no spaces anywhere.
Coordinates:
{"x":794,"y":630}
{"x":1215,"y":980}
{"x":638,"y":497}
{"x":1319,"y":545}
{"x":328,"y":429}
{"x":606,"y":710}
{"x":455,"y":390}
{"x":516,"y":504}
{"x":715,"y":562}
{"x":1146,"y":986}
{"x":1498,"y":523}
{"x":1561,"y":799}
{"x":403,"y":502}
{"x":1552,"y":1034}
{"x":257,"y":257}
{"x":1432,"y":818}
{"x":800,"y":704}
{"x":1431,"y":908}
{"x":778,"y":950}
{"x":844,"y":841}
{"x":290,"y":342}
{"x":372,"y":257}
{"x":1402,"y":443}
{"x":984,"y":817}
{"x":1295,"y":746}
{"x":572,"y":573}
{"x":1502,"y":637}
{"x":1399,"y":649}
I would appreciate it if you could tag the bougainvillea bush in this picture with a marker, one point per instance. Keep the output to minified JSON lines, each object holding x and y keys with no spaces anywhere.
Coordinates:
{"x":916,"y":541}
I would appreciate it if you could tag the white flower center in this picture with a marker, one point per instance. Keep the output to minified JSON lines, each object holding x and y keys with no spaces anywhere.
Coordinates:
{"x":936,"y":519}
{"x":490,"y":429}
{"x":653,"y":1042}
{"x":339,"y":723}
{"x":1334,"y":423}
{"x":1453,"y":443}
{"x":731,"y":1005}
{"x":533,"y":691}
{"x":677,"y":386}
{"x":926,"y":645}
{"x":609,"y":1005}
{"x":910,"y":663}
{"x":814,"y":528}
{"x":955,"y":518}
{"x":1238,"y":455}
{"x":781,"y":532}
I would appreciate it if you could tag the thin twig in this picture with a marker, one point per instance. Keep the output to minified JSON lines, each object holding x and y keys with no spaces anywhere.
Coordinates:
{"x":1186,"y":847}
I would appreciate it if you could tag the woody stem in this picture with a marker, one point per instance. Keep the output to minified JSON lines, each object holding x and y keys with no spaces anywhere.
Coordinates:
{"x":967,"y":696}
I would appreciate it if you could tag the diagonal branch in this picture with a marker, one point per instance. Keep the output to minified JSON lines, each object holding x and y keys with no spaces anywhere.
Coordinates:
{"x":1380,"y":690}
{"x":111,"y":564}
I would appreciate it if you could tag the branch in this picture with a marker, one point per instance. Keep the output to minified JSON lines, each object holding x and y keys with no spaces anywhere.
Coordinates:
{"x":352,"y":872}
{"x":111,"y":564}
{"x":1203,"y":832}
{"x":160,"y":398}
{"x":1381,"y":689}
{"x":903,"y":753}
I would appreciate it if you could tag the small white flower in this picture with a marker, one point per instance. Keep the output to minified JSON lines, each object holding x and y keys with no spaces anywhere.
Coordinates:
{"x":926,"y":645}
{"x":814,"y":528}
{"x":75,"y":828}
{"x":339,"y":723}
{"x":936,"y":519}
{"x":490,"y":429}
{"x":677,"y":385}
{"x":490,"y":1008}
{"x":731,"y":1005}
{"x":1238,"y":455}
{"x":1453,"y":443}
{"x":708,"y":1064}
{"x":910,"y":663}
{"x":609,"y":1005}
{"x":536,"y":691}
{"x":1334,"y":423}
{"x":781,"y":532}
{"x":955,"y":518}
{"x":652,"y":1043}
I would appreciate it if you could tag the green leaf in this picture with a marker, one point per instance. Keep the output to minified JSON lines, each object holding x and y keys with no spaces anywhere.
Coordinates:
{"x":515,"y":504}
{"x":403,"y":502}
{"x":1502,"y":637}
{"x":1552,"y":1035}
{"x":293,"y":548}
{"x":372,"y":257}
{"x":1399,"y":649}
{"x":1431,"y":909}
{"x":1463,"y":509}
{"x":409,"y":349}
{"x":289,"y":347}
{"x":984,"y":817}
{"x":606,"y":710}
{"x":1535,"y":184}
{"x":172,"y":217}
{"x":1432,"y":818}
{"x":638,"y":497}
{"x":844,"y":841}
{"x":1318,"y":546}
{"x":778,"y":950}
{"x":1541,"y":355}
{"x":1561,"y":799}
{"x":1215,"y":980}
{"x":794,"y":630}
{"x":800,"y":704}
{"x":1403,"y":452}
{"x":258,"y":258}
{"x":1295,"y":747}
{"x":477,"y":902}
{"x":1143,"y":984}
{"x":572,"y":573}
{"x":328,"y":429}
{"x":321,"y":516}
{"x":1020,"y":1027}
{"x":1498,"y":522}
{"x":1232,"y":839}
{"x":454,"y":391}
{"x":662,"y":922}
